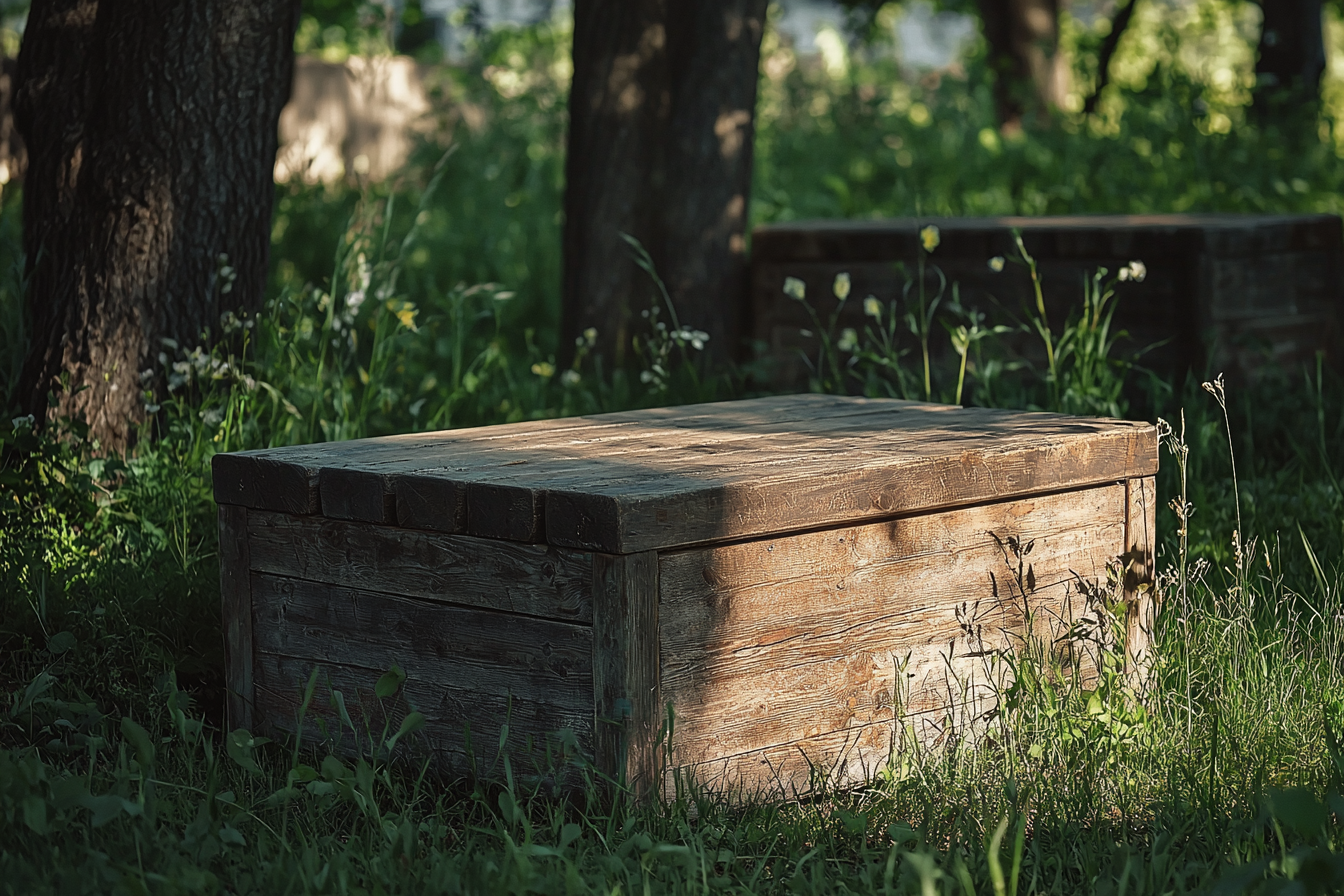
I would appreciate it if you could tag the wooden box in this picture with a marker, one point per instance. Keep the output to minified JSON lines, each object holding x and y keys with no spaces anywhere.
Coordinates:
{"x":1224,"y":292}
{"x":792,"y":579}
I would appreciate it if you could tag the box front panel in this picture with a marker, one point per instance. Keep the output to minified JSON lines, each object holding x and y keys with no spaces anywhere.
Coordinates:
{"x":492,"y":637}
{"x":782,"y":658}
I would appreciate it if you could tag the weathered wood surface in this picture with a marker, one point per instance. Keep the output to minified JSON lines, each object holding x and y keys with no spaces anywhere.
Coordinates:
{"x":553,"y":583}
{"x":807,"y":642}
{"x":461,"y":733}
{"x":1084,"y":236}
{"x":463,"y":665}
{"x":235,"y":588}
{"x":627,"y":704}
{"x":640,"y":481}
{"x":353,"y":480}
{"x":1235,"y":290}
{"x":1139,"y":584}
{"x":926,"y":459}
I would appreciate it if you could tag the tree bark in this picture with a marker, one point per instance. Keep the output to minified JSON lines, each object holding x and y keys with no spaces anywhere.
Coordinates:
{"x":662,"y":110}
{"x":1291,"y":57}
{"x":151,"y":134}
{"x":1032,"y":74}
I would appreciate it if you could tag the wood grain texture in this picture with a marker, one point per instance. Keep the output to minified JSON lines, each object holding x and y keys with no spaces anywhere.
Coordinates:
{"x":539,"y":581}
{"x":235,"y":588}
{"x":627,"y":704}
{"x":650,"y":480}
{"x":1139,"y":583}
{"x":815,"y":637}
{"x":926,"y":459}
{"x":289,"y":479}
{"x":492,"y":481}
{"x":461,"y":734}
{"x":463,"y":666}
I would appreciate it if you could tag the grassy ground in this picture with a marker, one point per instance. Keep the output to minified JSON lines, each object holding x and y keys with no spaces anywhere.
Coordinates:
{"x":116,"y":775}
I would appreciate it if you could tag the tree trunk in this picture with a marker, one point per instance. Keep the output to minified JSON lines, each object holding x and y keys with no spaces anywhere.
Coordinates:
{"x":1032,"y":73}
{"x":1291,"y":57}
{"x":151,"y":134}
{"x":662,"y":108}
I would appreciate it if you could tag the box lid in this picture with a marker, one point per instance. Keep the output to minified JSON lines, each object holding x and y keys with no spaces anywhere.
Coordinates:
{"x":653,"y":479}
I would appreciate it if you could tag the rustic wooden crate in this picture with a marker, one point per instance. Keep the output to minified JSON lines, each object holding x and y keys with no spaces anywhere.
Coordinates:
{"x":1223,"y":291}
{"x":794,"y":577}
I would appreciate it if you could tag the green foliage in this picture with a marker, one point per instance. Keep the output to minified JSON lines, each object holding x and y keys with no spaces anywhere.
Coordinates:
{"x":1077,"y":371}
{"x":392,"y":312}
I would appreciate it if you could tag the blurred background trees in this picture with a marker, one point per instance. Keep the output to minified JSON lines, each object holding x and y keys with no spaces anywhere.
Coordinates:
{"x":861,"y":108}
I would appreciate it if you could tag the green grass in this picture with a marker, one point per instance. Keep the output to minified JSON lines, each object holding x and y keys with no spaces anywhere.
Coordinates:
{"x":116,"y":775}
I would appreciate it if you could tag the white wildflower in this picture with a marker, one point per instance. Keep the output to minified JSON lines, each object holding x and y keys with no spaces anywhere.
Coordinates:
{"x":841,"y":286}
{"x":795,"y":288}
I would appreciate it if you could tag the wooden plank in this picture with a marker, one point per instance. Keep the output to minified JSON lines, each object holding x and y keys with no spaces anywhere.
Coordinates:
{"x":539,"y":581}
{"x":1127,"y":236}
{"x":462,"y":732}
{"x":434,"y":488}
{"x":288,"y":479}
{"x":345,"y":496}
{"x":1139,"y":582}
{"x":235,"y":590}
{"x":770,"y":641}
{"x":850,"y":757}
{"x":462,"y":665}
{"x":506,"y":494}
{"x":627,"y":703}
{"x":505,"y":499}
{"x":977,"y":456}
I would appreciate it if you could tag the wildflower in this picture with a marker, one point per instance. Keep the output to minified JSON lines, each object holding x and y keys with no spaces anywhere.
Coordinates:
{"x":872,"y":307}
{"x":151,"y":408}
{"x":503,"y":295}
{"x":996,"y":264}
{"x":696,"y":338}
{"x":590,"y":336}
{"x":415,"y":407}
{"x":1135,"y":270}
{"x":929,"y":238}
{"x":841,"y":286}
{"x":22,"y":423}
{"x":544,"y":369}
{"x":849,"y":340}
{"x":353,"y":300}
{"x":211,"y":416}
{"x":570,"y":378}
{"x":795,"y":288}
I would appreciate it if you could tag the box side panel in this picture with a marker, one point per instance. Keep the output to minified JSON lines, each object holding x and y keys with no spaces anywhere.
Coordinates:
{"x":535,"y":580}
{"x":786,"y":657}
{"x":1140,"y":600}
{"x":235,"y":588}
{"x":471,"y":672}
{"x":626,"y":701}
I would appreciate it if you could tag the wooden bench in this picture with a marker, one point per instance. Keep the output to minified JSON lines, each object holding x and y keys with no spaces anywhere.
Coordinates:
{"x":1224,"y":292}
{"x":792,"y":578}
